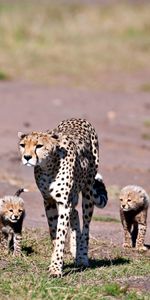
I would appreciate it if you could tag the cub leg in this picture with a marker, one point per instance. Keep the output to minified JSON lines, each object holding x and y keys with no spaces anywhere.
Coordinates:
{"x":141,"y":237}
{"x":17,"y":240}
{"x":127,"y":236}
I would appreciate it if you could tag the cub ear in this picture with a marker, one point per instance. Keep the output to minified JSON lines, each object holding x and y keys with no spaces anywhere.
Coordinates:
{"x":3,"y":200}
{"x":21,"y":135}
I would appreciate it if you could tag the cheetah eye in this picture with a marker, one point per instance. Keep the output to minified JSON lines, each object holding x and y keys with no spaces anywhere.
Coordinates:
{"x":121,"y":200}
{"x":22,"y":145}
{"x":20,"y":210}
{"x":129,"y":200}
{"x":38,"y":146}
{"x":11,"y":210}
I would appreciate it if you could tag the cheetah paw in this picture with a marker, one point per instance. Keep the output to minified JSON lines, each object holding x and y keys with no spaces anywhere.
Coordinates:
{"x":17,"y":254}
{"x":127,"y":245}
{"x":141,"y":248}
{"x":54,"y":272}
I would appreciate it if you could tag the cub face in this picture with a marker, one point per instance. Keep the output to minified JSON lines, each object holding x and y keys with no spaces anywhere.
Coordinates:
{"x":12,"y":209}
{"x":130,"y":199}
{"x":35,"y":147}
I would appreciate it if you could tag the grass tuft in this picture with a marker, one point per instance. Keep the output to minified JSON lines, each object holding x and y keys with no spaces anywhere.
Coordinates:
{"x":146,"y":136}
{"x":4,"y":76}
{"x":145,"y":87}
{"x":147,"y":123}
{"x":110,"y":273}
{"x":112,"y":289}
{"x":105,"y":219}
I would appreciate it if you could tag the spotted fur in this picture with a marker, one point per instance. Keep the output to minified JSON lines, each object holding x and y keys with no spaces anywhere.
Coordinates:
{"x":134,"y":203}
{"x":12,"y":213}
{"x":65,"y":163}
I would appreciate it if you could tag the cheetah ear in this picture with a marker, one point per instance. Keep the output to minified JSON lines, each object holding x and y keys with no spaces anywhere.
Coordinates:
{"x":55,"y":136}
{"x":21,"y":135}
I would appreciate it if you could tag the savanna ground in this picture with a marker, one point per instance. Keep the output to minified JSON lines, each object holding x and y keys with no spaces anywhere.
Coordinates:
{"x":60,"y":60}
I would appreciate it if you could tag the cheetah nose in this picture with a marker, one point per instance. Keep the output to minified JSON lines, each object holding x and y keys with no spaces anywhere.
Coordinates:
{"x":27,"y":157}
{"x":123,"y":205}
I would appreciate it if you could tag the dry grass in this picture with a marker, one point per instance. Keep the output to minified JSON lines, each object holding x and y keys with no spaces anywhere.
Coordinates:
{"x":72,"y":44}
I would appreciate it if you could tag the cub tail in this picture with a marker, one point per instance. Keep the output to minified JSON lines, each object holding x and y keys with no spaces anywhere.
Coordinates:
{"x":20,"y":191}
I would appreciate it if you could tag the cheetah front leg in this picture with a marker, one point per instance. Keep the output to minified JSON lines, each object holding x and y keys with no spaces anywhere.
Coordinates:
{"x":17,"y":239}
{"x":4,"y":238}
{"x":56,"y":265}
{"x":140,"y":237}
{"x":127,"y":236}
{"x":52,"y":217}
{"x":127,"y":230}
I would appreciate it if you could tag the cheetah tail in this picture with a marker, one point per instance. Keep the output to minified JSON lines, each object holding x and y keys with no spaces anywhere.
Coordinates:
{"x":100,"y":196}
{"x":20,"y":191}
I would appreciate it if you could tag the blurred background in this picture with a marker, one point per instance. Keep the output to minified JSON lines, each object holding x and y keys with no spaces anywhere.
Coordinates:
{"x":103,"y":44}
{"x":89,"y":59}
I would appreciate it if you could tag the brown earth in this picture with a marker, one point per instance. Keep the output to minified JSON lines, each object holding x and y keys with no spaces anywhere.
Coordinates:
{"x":120,"y":121}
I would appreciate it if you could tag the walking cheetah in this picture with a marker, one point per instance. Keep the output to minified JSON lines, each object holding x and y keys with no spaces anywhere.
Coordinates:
{"x":65,"y":162}
{"x":12,"y":213}
{"x":134,"y":203}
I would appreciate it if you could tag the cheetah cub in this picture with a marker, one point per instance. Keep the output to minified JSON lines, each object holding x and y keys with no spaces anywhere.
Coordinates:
{"x":134,"y":203}
{"x":12,"y":213}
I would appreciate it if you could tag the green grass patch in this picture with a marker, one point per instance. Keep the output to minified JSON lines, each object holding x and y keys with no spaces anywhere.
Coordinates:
{"x":73,"y":43}
{"x":112,"y":290}
{"x":146,"y":123}
{"x":145,"y":87}
{"x":110,"y":269}
{"x":4,"y":76}
{"x":146,"y":136}
{"x":105,"y":219}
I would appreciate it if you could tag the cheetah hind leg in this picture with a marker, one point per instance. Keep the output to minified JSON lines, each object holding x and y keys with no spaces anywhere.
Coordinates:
{"x":75,"y":234}
{"x":87,"y":208}
{"x":100,"y":196}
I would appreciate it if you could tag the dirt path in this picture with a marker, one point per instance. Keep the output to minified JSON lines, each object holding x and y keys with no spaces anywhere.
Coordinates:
{"x":120,"y":120}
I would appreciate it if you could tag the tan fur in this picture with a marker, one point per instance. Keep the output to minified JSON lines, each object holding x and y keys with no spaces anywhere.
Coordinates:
{"x":134,"y":203}
{"x":12,"y":213}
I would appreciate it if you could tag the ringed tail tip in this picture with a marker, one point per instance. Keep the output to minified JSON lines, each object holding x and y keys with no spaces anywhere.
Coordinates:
{"x":20,"y":191}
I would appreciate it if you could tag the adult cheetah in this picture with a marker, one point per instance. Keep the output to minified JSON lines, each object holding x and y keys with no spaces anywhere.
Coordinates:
{"x":65,"y":162}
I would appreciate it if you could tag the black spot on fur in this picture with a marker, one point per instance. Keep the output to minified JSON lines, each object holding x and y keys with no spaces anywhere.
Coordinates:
{"x":58,"y":195}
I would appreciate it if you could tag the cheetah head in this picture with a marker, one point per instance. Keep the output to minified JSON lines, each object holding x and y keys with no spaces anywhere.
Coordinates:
{"x":36,"y":147}
{"x":12,"y":208}
{"x":131,"y":199}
